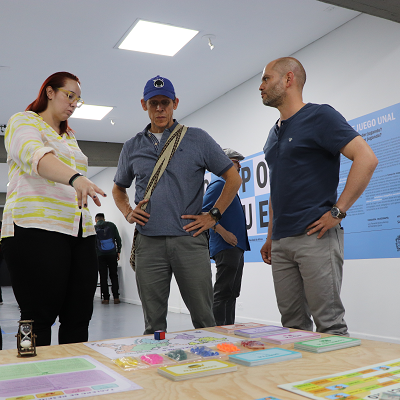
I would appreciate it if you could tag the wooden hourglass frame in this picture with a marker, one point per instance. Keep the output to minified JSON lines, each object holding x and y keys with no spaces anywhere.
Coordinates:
{"x":26,"y":339}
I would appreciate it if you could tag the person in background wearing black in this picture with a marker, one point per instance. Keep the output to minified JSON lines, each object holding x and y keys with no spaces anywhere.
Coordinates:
{"x":108,"y":251}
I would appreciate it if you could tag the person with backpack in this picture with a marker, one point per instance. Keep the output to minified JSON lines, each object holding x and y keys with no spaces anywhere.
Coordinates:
{"x":108,"y":247}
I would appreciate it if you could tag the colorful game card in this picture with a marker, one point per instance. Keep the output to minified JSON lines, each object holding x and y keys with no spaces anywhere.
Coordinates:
{"x":63,"y":378}
{"x":365,"y":383}
{"x":267,"y":356}
{"x":196,"y":369}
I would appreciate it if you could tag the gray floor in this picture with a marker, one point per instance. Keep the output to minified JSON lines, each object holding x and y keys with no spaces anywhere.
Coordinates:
{"x":108,"y":321}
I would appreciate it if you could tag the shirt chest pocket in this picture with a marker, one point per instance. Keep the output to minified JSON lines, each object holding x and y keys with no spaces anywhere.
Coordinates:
{"x":185,"y":162}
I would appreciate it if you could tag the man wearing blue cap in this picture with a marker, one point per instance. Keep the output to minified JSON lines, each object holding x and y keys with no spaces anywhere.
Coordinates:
{"x":171,"y":236}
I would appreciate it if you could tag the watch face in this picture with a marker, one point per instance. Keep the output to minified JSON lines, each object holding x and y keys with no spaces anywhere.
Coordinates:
{"x":335,"y":212}
{"x":215,"y":213}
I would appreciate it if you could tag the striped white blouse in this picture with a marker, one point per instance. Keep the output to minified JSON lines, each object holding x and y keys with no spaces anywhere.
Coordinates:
{"x":32,"y":201}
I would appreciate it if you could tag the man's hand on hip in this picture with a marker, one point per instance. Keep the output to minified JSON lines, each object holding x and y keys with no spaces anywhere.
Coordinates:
{"x":202,"y":222}
{"x":138,"y":215}
{"x":323,"y":224}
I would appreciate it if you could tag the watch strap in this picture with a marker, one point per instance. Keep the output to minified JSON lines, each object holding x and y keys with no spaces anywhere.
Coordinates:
{"x":215,"y":214}
{"x":341,"y":214}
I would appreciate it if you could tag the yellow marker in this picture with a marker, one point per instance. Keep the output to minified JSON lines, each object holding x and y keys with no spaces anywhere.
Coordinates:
{"x":48,"y":394}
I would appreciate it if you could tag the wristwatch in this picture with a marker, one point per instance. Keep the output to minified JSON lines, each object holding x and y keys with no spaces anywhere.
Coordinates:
{"x":336,"y":213}
{"x":215,"y":213}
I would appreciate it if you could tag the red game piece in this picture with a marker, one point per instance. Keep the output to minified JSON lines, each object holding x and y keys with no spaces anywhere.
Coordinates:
{"x":159,"y":335}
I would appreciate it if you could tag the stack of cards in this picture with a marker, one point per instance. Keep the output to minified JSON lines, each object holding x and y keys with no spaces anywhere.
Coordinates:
{"x":327,"y":344}
{"x":267,"y":356}
{"x":290,"y":337}
{"x":185,"y":371}
{"x":231,"y":328}
{"x":261,"y":331}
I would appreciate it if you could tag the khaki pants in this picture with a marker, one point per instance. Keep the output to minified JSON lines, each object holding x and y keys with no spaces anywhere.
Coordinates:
{"x":157,"y":258}
{"x":307,"y":276}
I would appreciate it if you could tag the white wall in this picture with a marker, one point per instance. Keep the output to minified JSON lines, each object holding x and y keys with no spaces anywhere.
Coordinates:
{"x":126,"y":277}
{"x":354,"y":69}
{"x":127,"y":283}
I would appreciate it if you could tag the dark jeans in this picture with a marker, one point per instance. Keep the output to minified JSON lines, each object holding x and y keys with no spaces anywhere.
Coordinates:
{"x":108,"y":264}
{"x":228,"y":280}
{"x":53,"y":274}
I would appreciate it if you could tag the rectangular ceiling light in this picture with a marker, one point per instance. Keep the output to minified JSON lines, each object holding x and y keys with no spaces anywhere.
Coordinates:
{"x":156,"y":38}
{"x":87,"y":111}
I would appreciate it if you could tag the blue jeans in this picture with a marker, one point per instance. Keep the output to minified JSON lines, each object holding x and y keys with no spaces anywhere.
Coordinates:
{"x":227,"y":285}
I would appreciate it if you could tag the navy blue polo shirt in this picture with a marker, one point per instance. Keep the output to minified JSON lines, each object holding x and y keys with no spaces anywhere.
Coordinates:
{"x":233,"y":219}
{"x":181,"y":187}
{"x":303,"y":156}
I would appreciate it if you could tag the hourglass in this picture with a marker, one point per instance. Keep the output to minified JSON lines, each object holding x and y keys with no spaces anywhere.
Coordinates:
{"x":26,"y":339}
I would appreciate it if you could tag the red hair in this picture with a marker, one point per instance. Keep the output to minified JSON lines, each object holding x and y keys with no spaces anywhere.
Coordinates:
{"x":56,"y":81}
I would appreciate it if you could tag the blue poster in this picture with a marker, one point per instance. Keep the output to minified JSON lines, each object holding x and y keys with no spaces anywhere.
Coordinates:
{"x":254,"y":195}
{"x":372,"y":225}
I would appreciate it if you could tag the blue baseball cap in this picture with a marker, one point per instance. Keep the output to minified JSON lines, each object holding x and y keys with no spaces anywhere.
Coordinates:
{"x":158,"y":85}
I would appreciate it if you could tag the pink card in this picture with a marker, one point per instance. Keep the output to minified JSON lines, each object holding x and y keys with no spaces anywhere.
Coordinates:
{"x":290,"y":337}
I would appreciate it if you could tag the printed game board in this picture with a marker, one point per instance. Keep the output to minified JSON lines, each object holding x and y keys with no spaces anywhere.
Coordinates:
{"x":138,"y":346}
{"x":357,"y":384}
{"x":63,"y":378}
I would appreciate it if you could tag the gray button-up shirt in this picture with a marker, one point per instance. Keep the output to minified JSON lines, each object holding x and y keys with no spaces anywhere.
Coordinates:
{"x":180,"y":189}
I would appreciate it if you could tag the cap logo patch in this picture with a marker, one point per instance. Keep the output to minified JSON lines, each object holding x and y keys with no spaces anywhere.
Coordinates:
{"x":158,"y":83}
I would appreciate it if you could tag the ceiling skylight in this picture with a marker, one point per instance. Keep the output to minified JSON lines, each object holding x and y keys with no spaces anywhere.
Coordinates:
{"x":156,"y":38}
{"x":87,"y":111}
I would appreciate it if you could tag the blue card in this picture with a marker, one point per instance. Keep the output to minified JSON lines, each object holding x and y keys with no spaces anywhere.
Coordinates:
{"x":259,"y":355}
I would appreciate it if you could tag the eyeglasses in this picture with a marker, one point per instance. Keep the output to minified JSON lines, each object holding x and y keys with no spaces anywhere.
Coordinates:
{"x":163,"y":103}
{"x":72,"y":97}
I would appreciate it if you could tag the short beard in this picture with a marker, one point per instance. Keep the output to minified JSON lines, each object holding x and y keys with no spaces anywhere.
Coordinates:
{"x":272,"y":103}
{"x":277,"y":97}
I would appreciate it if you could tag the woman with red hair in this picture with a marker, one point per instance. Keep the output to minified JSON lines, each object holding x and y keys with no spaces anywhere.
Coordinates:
{"x":48,"y":238}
